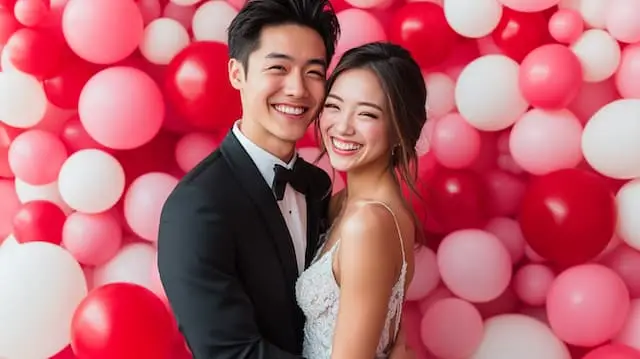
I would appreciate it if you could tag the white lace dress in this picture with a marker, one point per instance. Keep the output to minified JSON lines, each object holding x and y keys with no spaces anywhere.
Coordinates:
{"x":318,"y":296}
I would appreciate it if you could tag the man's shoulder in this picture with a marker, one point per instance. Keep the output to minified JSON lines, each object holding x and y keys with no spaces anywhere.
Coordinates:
{"x":319,"y":177}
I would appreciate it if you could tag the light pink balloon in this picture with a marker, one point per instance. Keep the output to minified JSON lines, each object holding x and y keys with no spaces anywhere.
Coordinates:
{"x":545,"y":141}
{"x":532,"y":282}
{"x":455,"y":143}
{"x":121,"y":107}
{"x":509,"y":233}
{"x":452,"y":328}
{"x":144,"y":200}
{"x":30,"y":12}
{"x":623,"y":20}
{"x":92,"y":239}
{"x":37,"y":156}
{"x":587,"y":305}
{"x":426,"y":276}
{"x":474,"y":265}
{"x":352,"y":21}
{"x":9,"y":206}
{"x":102,"y":31}
{"x":529,"y":5}
{"x":630,"y":332}
{"x":628,"y":71}
{"x":625,"y":261}
{"x":193,"y":148}
{"x":566,"y":25}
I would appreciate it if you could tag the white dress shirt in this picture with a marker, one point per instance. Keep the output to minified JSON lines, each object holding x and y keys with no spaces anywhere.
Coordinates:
{"x":293,"y":205}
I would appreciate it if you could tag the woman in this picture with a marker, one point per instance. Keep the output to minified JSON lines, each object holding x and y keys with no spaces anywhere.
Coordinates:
{"x":352,"y":294}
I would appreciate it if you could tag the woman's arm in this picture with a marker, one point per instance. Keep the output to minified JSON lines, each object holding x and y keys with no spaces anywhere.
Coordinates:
{"x":368,"y":267}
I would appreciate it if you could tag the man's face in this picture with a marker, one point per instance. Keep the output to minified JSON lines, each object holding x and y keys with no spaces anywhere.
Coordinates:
{"x":283,"y":86}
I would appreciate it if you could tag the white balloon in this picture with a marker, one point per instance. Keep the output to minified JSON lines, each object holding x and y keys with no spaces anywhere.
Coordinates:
{"x":511,"y":336}
{"x":599,"y":53}
{"x":628,"y":203}
{"x":91,"y":181}
{"x":41,"y":284}
{"x":211,"y":20}
{"x":162,"y":40}
{"x":475,"y":18}
{"x":132,"y":264}
{"x":610,"y":139}
{"x":488,"y":94}
{"x":23,"y":102}
{"x":47,"y":192}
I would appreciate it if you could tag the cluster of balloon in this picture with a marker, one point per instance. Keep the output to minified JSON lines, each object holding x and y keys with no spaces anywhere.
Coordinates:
{"x":528,"y":180}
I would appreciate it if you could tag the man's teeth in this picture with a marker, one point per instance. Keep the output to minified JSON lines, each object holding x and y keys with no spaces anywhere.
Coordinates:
{"x":345,"y":146}
{"x":290,"y":110}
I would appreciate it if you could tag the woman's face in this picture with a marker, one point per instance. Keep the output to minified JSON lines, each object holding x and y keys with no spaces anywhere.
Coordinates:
{"x":355,"y":122}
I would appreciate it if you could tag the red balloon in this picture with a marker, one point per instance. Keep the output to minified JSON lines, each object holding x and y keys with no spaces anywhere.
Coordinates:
{"x":39,"y":221}
{"x":63,"y":89}
{"x":422,"y":28}
{"x":36,"y":52}
{"x":197,"y":85}
{"x":568,"y":216}
{"x":7,"y":134}
{"x":456,"y":199}
{"x":66,"y":353}
{"x":518,"y":33}
{"x":124,"y":321}
{"x":613,"y":351}
{"x":8,"y":23}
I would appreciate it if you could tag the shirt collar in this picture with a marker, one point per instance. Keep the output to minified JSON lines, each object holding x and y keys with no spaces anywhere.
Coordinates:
{"x":264,"y":160}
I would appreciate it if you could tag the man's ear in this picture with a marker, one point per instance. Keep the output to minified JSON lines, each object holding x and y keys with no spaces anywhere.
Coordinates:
{"x":236,"y":73}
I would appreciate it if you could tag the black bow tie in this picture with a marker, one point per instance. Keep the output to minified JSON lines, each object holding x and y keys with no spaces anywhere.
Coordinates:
{"x":293,"y":176}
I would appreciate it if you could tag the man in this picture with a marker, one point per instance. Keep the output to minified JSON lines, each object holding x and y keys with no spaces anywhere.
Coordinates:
{"x":242,"y":225}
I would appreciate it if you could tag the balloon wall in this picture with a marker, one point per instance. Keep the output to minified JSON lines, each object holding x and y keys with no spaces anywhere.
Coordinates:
{"x":529,"y":176}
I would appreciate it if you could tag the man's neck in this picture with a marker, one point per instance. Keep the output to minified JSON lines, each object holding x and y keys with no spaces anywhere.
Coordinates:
{"x":275,"y":146}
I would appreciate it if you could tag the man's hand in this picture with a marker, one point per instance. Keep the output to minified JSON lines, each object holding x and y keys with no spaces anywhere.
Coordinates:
{"x":401,"y":349}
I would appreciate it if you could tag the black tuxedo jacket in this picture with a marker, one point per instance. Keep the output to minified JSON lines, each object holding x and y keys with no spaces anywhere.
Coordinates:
{"x":227,"y":262}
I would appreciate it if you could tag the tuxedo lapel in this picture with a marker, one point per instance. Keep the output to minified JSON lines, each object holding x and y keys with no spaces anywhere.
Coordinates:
{"x":255,"y":186}
{"x":317,"y":199}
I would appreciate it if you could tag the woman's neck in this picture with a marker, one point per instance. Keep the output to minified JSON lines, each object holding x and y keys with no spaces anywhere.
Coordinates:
{"x":369,"y":183}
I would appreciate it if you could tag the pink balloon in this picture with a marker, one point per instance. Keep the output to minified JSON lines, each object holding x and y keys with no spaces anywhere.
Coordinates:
{"x":628,"y":71}
{"x":440,"y":292}
{"x":102,"y":31}
{"x":121,"y":107}
{"x":509,"y":233}
{"x":92,"y":239}
{"x":474,"y":265}
{"x":505,"y":192}
{"x":550,"y":77}
{"x":455,"y":143}
{"x":613,"y":351}
{"x":452,"y":328}
{"x":182,"y":14}
{"x":545,"y":141}
{"x":36,"y":157}
{"x":9,"y":206}
{"x":411,"y":322}
{"x":532,"y":282}
{"x":144,"y":200}
{"x":592,"y":97}
{"x":426,"y":276}
{"x":587,"y":305}
{"x":625,"y":261}
{"x":529,"y":5}
{"x":566,"y":25}
{"x":193,"y":148}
